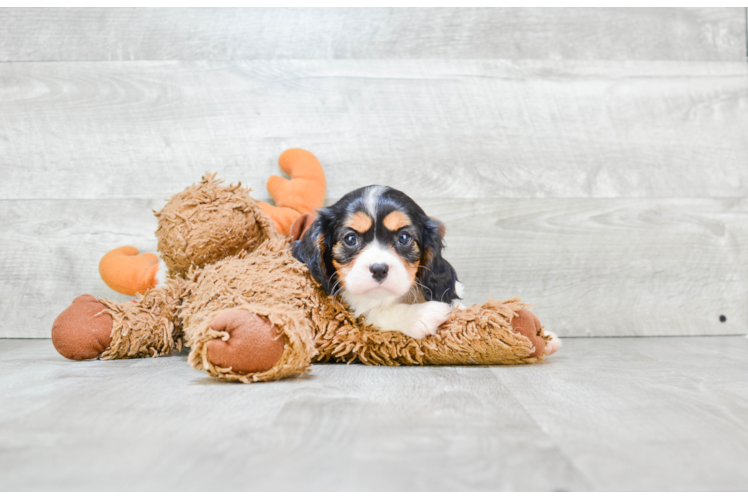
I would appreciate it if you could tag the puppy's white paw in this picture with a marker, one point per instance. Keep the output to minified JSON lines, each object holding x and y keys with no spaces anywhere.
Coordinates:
{"x":553,"y":345}
{"x":429,"y":317}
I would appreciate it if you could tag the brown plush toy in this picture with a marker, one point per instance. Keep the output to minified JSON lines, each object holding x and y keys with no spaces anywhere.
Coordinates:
{"x":250,"y":311}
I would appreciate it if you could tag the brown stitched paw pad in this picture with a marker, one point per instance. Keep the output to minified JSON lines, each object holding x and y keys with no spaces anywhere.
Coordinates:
{"x":83,"y":330}
{"x":254,"y":344}
{"x":527,"y":324}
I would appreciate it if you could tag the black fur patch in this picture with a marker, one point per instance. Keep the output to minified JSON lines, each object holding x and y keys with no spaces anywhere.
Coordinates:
{"x":420,"y":242}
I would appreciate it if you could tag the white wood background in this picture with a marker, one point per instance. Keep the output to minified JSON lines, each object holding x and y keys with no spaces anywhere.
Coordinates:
{"x":466,"y":129}
{"x":485,"y":33}
{"x":593,"y":161}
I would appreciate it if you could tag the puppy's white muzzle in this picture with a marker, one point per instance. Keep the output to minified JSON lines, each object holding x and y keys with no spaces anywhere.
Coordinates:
{"x":378,"y":271}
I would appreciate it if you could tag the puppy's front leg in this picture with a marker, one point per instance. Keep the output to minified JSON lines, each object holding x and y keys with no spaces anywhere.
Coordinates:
{"x":414,"y":320}
{"x":428,"y":317}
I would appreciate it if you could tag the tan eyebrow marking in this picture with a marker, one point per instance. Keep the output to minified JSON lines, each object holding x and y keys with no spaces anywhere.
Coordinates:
{"x":396,"y":220}
{"x":359,"y":222}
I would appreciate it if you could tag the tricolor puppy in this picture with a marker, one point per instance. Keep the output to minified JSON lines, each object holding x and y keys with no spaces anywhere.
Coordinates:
{"x":382,"y":254}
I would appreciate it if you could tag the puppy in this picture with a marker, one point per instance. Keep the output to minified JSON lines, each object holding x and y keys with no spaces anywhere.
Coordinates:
{"x":379,"y":251}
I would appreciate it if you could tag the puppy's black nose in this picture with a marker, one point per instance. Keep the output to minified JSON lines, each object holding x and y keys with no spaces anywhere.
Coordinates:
{"x":379,"y":271}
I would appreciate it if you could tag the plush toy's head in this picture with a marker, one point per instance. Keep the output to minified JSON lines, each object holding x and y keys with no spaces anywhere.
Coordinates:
{"x":208,"y":222}
{"x":377,"y":244}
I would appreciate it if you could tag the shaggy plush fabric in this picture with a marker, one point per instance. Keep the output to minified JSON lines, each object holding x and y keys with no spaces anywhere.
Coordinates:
{"x":224,"y":253}
{"x":268,"y":282}
{"x":149,"y":327}
{"x":477,"y":335}
{"x":208,"y":222}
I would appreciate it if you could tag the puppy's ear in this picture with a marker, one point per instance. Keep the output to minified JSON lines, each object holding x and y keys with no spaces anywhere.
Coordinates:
{"x":437,"y":276}
{"x":301,"y":225}
{"x":310,"y":250}
{"x":440,"y":225}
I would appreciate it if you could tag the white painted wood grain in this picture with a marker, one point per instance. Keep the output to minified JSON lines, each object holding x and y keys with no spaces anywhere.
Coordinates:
{"x":593,"y":267}
{"x":468,"y":33}
{"x":602,"y":414}
{"x":51,"y":252}
{"x":461,"y":129}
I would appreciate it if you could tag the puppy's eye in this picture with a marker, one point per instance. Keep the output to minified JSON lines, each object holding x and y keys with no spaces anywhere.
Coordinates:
{"x":350,"y":240}
{"x":404,"y":239}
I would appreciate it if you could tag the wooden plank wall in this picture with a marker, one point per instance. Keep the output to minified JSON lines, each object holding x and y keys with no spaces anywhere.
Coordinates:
{"x":353,"y":33}
{"x":593,"y":161}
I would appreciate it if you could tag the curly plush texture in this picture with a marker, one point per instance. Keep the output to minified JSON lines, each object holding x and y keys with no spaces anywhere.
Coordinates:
{"x":224,"y":253}
{"x":477,"y":335}
{"x":272,"y":279}
{"x":150,"y":327}
{"x":290,"y":323}
{"x":208,"y":222}
{"x":268,"y":282}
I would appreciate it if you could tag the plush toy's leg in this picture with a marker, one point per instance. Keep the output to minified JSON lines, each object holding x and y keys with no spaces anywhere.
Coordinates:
{"x":494,"y":333}
{"x":101,"y":328}
{"x":252,"y":343}
{"x":83,"y":330}
{"x":527,"y":323}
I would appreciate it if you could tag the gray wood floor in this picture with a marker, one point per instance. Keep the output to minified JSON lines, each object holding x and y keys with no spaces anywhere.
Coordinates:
{"x":603,"y":414}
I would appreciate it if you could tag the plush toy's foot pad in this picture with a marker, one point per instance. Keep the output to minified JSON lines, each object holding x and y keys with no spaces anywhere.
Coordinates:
{"x":527,"y":324}
{"x":83,"y":330}
{"x":254,"y":344}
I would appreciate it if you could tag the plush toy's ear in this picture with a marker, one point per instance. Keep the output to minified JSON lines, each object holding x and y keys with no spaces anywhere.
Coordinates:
{"x":437,"y":276}
{"x":311,"y":249}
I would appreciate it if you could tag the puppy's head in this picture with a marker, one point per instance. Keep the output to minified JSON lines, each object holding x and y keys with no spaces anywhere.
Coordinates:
{"x":377,"y":243}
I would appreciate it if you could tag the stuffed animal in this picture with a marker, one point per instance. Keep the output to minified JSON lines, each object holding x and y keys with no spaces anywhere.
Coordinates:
{"x":249,"y":311}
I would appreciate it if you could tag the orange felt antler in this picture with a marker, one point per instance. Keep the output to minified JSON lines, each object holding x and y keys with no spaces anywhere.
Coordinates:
{"x":127,"y":271}
{"x":303,"y":193}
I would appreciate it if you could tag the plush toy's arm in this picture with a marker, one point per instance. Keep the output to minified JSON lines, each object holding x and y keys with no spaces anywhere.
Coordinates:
{"x":303,"y":193}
